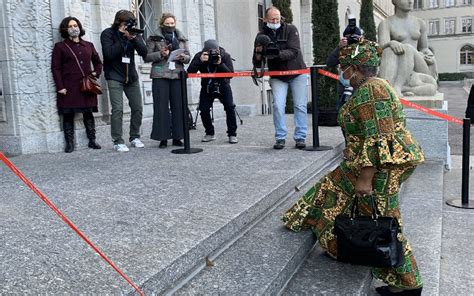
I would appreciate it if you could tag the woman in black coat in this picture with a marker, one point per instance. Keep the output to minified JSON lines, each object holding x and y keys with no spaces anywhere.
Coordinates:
{"x":68,"y":77}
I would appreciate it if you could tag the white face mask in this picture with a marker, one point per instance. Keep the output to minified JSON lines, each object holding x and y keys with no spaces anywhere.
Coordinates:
{"x":74,"y":32}
{"x":274,"y":26}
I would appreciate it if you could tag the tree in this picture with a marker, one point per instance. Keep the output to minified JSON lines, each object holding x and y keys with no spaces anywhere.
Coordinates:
{"x":367,"y":22}
{"x":326,"y":37}
{"x":285,"y":9}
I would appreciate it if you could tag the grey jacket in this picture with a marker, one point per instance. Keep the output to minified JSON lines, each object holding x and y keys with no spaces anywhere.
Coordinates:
{"x":160,"y":65}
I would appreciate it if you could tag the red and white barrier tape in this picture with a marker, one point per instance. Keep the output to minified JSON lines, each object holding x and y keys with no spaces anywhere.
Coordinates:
{"x":53,"y":207}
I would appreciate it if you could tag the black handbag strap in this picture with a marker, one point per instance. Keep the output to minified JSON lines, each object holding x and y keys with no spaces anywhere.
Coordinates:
{"x":355,"y":207}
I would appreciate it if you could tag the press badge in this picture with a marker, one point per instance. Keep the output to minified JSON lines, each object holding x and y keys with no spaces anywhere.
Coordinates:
{"x":125,"y":60}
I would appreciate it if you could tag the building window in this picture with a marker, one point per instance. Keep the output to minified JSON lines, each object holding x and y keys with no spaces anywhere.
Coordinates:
{"x":434,"y":3}
{"x":145,"y":13}
{"x":261,"y":16}
{"x":467,"y":55}
{"x":449,"y":26}
{"x":449,"y":3}
{"x":467,"y":25}
{"x":433,"y":27}
{"x":418,"y":4}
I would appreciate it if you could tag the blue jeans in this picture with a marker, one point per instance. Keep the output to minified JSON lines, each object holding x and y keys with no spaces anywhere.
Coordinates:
{"x":300,"y":100}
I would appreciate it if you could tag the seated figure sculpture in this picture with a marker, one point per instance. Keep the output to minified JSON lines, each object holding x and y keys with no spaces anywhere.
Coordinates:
{"x":407,"y":62}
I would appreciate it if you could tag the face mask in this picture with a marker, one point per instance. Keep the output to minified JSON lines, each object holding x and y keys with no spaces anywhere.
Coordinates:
{"x":274,"y":26}
{"x":74,"y":32}
{"x":169,"y":29}
{"x":344,"y":81}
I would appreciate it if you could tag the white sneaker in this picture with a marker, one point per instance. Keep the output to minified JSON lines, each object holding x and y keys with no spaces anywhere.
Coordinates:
{"x":233,"y":140}
{"x":208,"y":138}
{"x":137,"y":143}
{"x":121,"y":148}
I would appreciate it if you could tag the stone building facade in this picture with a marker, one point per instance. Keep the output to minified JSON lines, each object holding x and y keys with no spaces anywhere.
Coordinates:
{"x":29,"y":122}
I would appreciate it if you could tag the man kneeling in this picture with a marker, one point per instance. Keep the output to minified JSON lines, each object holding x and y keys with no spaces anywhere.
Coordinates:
{"x":214,"y":59}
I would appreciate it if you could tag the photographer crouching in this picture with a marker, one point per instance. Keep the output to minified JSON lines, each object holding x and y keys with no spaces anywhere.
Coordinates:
{"x":214,"y":59}
{"x":279,"y":44}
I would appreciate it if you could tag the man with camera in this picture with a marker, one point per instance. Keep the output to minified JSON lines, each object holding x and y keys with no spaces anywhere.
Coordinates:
{"x":351,"y":35}
{"x":214,"y":59}
{"x":278,"y":44}
{"x":119,"y":44}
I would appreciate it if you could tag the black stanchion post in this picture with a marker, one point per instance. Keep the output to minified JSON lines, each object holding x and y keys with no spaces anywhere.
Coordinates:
{"x":184,"y":99}
{"x":465,"y":203}
{"x":315,"y":113}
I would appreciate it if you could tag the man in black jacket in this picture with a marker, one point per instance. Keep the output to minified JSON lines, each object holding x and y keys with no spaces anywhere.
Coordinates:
{"x":118,"y":48}
{"x":286,"y":38}
{"x":214,"y":59}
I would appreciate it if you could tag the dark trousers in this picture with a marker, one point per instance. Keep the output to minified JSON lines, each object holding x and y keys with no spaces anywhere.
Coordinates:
{"x":166,"y":96}
{"x":225,"y":97}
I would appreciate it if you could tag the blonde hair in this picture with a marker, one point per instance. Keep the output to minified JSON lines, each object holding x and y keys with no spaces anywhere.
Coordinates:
{"x":166,"y":15}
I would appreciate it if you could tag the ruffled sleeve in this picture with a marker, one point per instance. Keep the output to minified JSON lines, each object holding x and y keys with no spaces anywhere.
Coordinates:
{"x":382,"y":140}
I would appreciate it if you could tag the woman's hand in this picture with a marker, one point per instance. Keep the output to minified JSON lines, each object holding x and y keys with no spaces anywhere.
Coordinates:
{"x":363,"y":185}
{"x":62,"y":91}
{"x":165,"y":52}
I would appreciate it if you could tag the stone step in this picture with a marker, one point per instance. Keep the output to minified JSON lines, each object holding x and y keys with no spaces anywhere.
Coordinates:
{"x":421,"y":204}
{"x":262,"y":259}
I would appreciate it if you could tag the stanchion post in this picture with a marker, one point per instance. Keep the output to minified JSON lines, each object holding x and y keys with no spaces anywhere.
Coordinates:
{"x":184,"y":100}
{"x":465,"y":203}
{"x":315,"y":113}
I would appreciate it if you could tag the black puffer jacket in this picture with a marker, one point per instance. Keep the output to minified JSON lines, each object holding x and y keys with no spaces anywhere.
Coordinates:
{"x":288,"y":41}
{"x":225,"y":66}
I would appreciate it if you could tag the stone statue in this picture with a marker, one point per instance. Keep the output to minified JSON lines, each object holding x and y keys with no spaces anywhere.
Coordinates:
{"x":407,"y":62}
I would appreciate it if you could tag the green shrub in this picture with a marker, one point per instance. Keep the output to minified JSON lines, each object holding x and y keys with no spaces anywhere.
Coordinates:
{"x":452,"y":76}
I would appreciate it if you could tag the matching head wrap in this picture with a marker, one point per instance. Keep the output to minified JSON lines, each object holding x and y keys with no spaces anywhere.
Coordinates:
{"x":365,"y":53}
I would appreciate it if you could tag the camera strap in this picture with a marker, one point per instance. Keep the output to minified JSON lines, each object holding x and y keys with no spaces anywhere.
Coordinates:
{"x":209,"y":71}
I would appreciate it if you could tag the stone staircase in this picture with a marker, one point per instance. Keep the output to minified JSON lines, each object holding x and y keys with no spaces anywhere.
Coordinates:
{"x":263,"y":258}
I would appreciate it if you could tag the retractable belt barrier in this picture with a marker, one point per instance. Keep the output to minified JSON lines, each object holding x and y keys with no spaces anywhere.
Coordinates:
{"x":69,"y":223}
{"x":325,"y":73}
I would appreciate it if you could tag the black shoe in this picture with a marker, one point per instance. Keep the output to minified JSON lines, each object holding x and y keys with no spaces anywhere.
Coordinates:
{"x":279,"y":144}
{"x":177,"y":143}
{"x":93,"y":144}
{"x":163,"y":144}
{"x":300,"y":144}
{"x":385,"y":291}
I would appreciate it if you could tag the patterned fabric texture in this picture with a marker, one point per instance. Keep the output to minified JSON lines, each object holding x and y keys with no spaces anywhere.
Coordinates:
{"x":374,"y":126}
{"x":365,"y":52}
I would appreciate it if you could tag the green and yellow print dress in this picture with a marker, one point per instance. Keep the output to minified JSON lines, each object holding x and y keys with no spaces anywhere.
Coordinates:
{"x":374,"y":126}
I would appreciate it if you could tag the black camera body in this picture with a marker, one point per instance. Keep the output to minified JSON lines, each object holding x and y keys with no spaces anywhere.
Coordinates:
{"x":213,"y":89}
{"x":271,"y":51}
{"x":353,"y":31}
{"x":214,"y":56}
{"x":130,"y":26}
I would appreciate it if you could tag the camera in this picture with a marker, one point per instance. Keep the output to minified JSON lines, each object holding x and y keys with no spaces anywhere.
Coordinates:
{"x":270,"y":48}
{"x":213,"y":88}
{"x":130,"y":26}
{"x":353,"y":31}
{"x":214,"y":56}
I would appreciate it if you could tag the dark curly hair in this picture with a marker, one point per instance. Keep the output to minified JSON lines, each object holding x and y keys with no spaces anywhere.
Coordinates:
{"x":122,"y":16}
{"x":64,"y":26}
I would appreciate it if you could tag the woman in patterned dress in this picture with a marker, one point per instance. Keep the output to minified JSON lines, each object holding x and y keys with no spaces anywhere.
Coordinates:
{"x":380,"y":154}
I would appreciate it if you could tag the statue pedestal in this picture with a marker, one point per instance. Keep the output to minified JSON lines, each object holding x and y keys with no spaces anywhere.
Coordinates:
{"x":430,"y":131}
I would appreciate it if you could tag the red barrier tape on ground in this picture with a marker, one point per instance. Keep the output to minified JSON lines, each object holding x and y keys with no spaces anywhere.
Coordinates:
{"x":50,"y":204}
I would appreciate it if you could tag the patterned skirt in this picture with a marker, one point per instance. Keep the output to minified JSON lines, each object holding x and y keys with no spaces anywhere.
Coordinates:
{"x":334,"y":194}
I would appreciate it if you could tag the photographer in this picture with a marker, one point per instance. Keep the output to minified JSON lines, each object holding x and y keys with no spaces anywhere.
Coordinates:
{"x":214,"y":59}
{"x":119,"y":44}
{"x":279,"y":44}
{"x":351,"y":35}
{"x":166,"y":84}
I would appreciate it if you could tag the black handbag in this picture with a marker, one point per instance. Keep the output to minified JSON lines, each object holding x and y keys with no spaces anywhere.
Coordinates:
{"x":368,"y":240}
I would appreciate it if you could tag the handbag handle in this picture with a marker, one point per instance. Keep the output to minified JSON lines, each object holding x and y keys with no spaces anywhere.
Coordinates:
{"x":355,"y":207}
{"x":77,"y":60}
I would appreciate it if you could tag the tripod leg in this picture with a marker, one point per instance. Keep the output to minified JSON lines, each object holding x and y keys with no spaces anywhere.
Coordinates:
{"x":237,"y":113}
{"x":196,"y":118}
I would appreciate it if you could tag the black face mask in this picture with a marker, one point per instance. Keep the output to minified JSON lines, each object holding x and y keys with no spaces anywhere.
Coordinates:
{"x":168,"y":29}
